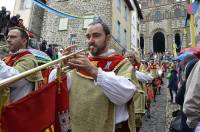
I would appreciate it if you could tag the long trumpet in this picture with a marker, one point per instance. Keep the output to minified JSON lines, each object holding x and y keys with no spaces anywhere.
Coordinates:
{"x":3,"y":46}
{"x":8,"y":81}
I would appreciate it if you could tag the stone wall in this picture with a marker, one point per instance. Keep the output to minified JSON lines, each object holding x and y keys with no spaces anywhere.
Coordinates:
{"x":50,"y":30}
{"x":169,"y":25}
{"x":36,"y":19}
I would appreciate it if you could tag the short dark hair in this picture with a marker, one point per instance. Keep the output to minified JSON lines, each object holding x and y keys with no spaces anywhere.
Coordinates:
{"x":23,"y":33}
{"x":104,"y":25}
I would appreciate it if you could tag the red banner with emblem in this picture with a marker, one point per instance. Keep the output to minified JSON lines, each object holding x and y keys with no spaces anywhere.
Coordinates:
{"x":46,"y":108}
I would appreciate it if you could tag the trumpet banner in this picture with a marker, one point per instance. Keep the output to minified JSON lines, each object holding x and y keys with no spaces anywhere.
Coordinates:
{"x":43,"y":110}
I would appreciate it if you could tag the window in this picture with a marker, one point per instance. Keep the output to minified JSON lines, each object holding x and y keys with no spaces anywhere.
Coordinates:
{"x":157,"y":16}
{"x":167,"y":14}
{"x":119,"y":4}
{"x":125,"y":37}
{"x":144,"y":5}
{"x":72,"y":39}
{"x":138,"y":27}
{"x":138,"y":43}
{"x":25,"y":4}
{"x":126,"y":12}
{"x":63,"y":24}
{"x":177,"y":12}
{"x":88,"y":21}
{"x":118,"y":31}
{"x":157,"y":1}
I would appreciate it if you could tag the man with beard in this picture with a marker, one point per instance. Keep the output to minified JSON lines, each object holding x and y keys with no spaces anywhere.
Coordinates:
{"x":100,"y":86}
{"x":19,"y":60}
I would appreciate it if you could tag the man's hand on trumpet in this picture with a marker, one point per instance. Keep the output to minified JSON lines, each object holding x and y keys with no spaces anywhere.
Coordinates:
{"x":68,"y":51}
{"x":80,"y":61}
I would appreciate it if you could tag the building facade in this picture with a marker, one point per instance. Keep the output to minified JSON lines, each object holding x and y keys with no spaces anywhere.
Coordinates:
{"x":63,"y":31}
{"x":197,"y":24}
{"x":23,"y":8}
{"x":135,"y":26}
{"x":163,"y":25}
{"x":32,"y":16}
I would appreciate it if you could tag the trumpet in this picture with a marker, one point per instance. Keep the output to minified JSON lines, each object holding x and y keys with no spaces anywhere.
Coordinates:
{"x":3,"y":46}
{"x":8,"y":81}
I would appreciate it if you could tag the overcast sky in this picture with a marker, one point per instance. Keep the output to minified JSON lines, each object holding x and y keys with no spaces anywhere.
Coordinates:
{"x":9,"y":4}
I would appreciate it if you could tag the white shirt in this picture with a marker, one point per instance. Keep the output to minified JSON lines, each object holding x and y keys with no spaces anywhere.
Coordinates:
{"x":118,"y":89}
{"x":197,"y":127}
{"x":18,"y":89}
{"x":143,"y":77}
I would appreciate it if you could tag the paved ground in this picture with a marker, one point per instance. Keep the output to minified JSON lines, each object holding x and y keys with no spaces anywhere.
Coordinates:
{"x":158,"y":109}
{"x":160,"y":113}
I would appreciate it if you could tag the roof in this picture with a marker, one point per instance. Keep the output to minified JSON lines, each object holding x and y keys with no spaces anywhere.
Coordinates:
{"x":128,"y":2}
{"x":138,"y":9}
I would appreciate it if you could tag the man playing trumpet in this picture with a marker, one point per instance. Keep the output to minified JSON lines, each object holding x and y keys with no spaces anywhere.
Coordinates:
{"x":100,"y":86}
{"x":19,"y":60}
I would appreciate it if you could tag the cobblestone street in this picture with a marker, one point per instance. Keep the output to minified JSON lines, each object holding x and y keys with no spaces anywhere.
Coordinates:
{"x":160,"y":113}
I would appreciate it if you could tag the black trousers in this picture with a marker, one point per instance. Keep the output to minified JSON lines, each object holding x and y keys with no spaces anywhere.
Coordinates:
{"x":122,"y":127}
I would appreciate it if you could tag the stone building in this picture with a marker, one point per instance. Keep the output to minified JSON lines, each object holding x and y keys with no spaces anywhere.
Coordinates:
{"x":135,"y":25}
{"x":63,"y":31}
{"x":197,"y":24}
{"x":163,"y":25}
{"x":32,"y":17}
{"x":31,"y":14}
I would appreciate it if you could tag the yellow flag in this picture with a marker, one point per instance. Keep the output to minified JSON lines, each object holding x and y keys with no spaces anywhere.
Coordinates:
{"x":174,"y":49}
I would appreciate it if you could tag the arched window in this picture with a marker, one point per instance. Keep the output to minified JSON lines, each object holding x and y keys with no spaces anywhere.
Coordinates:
{"x":178,"y":42}
{"x":184,"y":12}
{"x":144,"y":4}
{"x":157,"y":16}
{"x":157,"y":1}
{"x":177,"y":12}
{"x":167,"y":14}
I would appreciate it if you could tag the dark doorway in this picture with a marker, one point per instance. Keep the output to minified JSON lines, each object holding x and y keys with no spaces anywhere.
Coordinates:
{"x":142,"y":44}
{"x":178,"y":42}
{"x":159,"y":42}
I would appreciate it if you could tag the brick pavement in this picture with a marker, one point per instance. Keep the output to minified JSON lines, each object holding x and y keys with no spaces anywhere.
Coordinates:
{"x":160,"y":113}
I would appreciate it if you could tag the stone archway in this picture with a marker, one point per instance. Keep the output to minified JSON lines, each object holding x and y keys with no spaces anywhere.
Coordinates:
{"x":142,"y":44}
{"x":178,"y":42}
{"x":159,"y":42}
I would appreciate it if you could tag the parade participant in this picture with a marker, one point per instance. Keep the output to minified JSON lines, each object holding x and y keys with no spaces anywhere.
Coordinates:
{"x":173,"y":85}
{"x":191,"y":106}
{"x":100,"y":86}
{"x":50,"y":51}
{"x":19,"y":60}
{"x":147,"y":88}
{"x":158,"y":80}
{"x":139,"y":97}
{"x":152,"y":70}
{"x":164,"y":67}
{"x":134,"y":58}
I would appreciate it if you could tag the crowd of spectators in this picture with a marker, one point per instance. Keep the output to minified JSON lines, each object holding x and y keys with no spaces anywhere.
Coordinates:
{"x":6,"y":22}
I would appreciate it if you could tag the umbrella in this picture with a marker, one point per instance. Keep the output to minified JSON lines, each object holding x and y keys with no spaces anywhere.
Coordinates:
{"x":40,"y":56}
{"x":195,"y":51}
{"x":182,"y":56}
